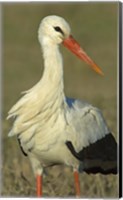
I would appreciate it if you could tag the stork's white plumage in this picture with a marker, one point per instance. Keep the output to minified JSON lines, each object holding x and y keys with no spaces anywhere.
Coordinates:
{"x":53,"y":129}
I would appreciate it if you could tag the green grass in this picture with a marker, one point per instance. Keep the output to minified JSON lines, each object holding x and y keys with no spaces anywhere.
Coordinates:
{"x":94,"y":25}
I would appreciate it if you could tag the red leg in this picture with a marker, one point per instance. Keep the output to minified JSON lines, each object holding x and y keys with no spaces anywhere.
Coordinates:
{"x":77,"y":183}
{"x":39,"y":185}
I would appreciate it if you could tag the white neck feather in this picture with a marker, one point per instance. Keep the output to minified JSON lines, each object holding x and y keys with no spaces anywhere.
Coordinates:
{"x":53,"y":70}
{"x":52,"y":79}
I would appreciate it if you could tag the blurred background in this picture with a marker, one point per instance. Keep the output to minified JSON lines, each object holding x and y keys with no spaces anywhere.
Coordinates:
{"x":95,"y":27}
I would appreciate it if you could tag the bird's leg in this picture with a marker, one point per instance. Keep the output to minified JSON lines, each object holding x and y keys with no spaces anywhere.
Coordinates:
{"x":77,"y":183}
{"x":38,"y":172}
{"x":39,"y":185}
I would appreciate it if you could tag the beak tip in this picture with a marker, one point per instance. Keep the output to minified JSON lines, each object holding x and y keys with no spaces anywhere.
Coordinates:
{"x":101,"y":73}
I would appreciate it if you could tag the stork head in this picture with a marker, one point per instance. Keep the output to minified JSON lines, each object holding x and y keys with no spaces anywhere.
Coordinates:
{"x":54,"y":30}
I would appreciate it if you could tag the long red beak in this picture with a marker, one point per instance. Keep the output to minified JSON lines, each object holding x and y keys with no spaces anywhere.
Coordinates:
{"x":75,"y":48}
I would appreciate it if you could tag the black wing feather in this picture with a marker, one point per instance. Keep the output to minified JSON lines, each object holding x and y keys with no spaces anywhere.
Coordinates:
{"x":25,"y":154}
{"x":100,"y":156}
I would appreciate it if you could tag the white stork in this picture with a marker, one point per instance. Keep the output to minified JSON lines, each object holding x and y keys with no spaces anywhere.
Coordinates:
{"x":53,"y":129}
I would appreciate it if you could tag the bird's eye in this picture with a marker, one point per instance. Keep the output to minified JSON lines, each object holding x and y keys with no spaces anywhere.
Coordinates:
{"x":58,"y":29}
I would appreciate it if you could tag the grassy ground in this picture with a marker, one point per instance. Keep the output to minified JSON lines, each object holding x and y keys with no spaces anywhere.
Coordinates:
{"x":94,"y":25}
